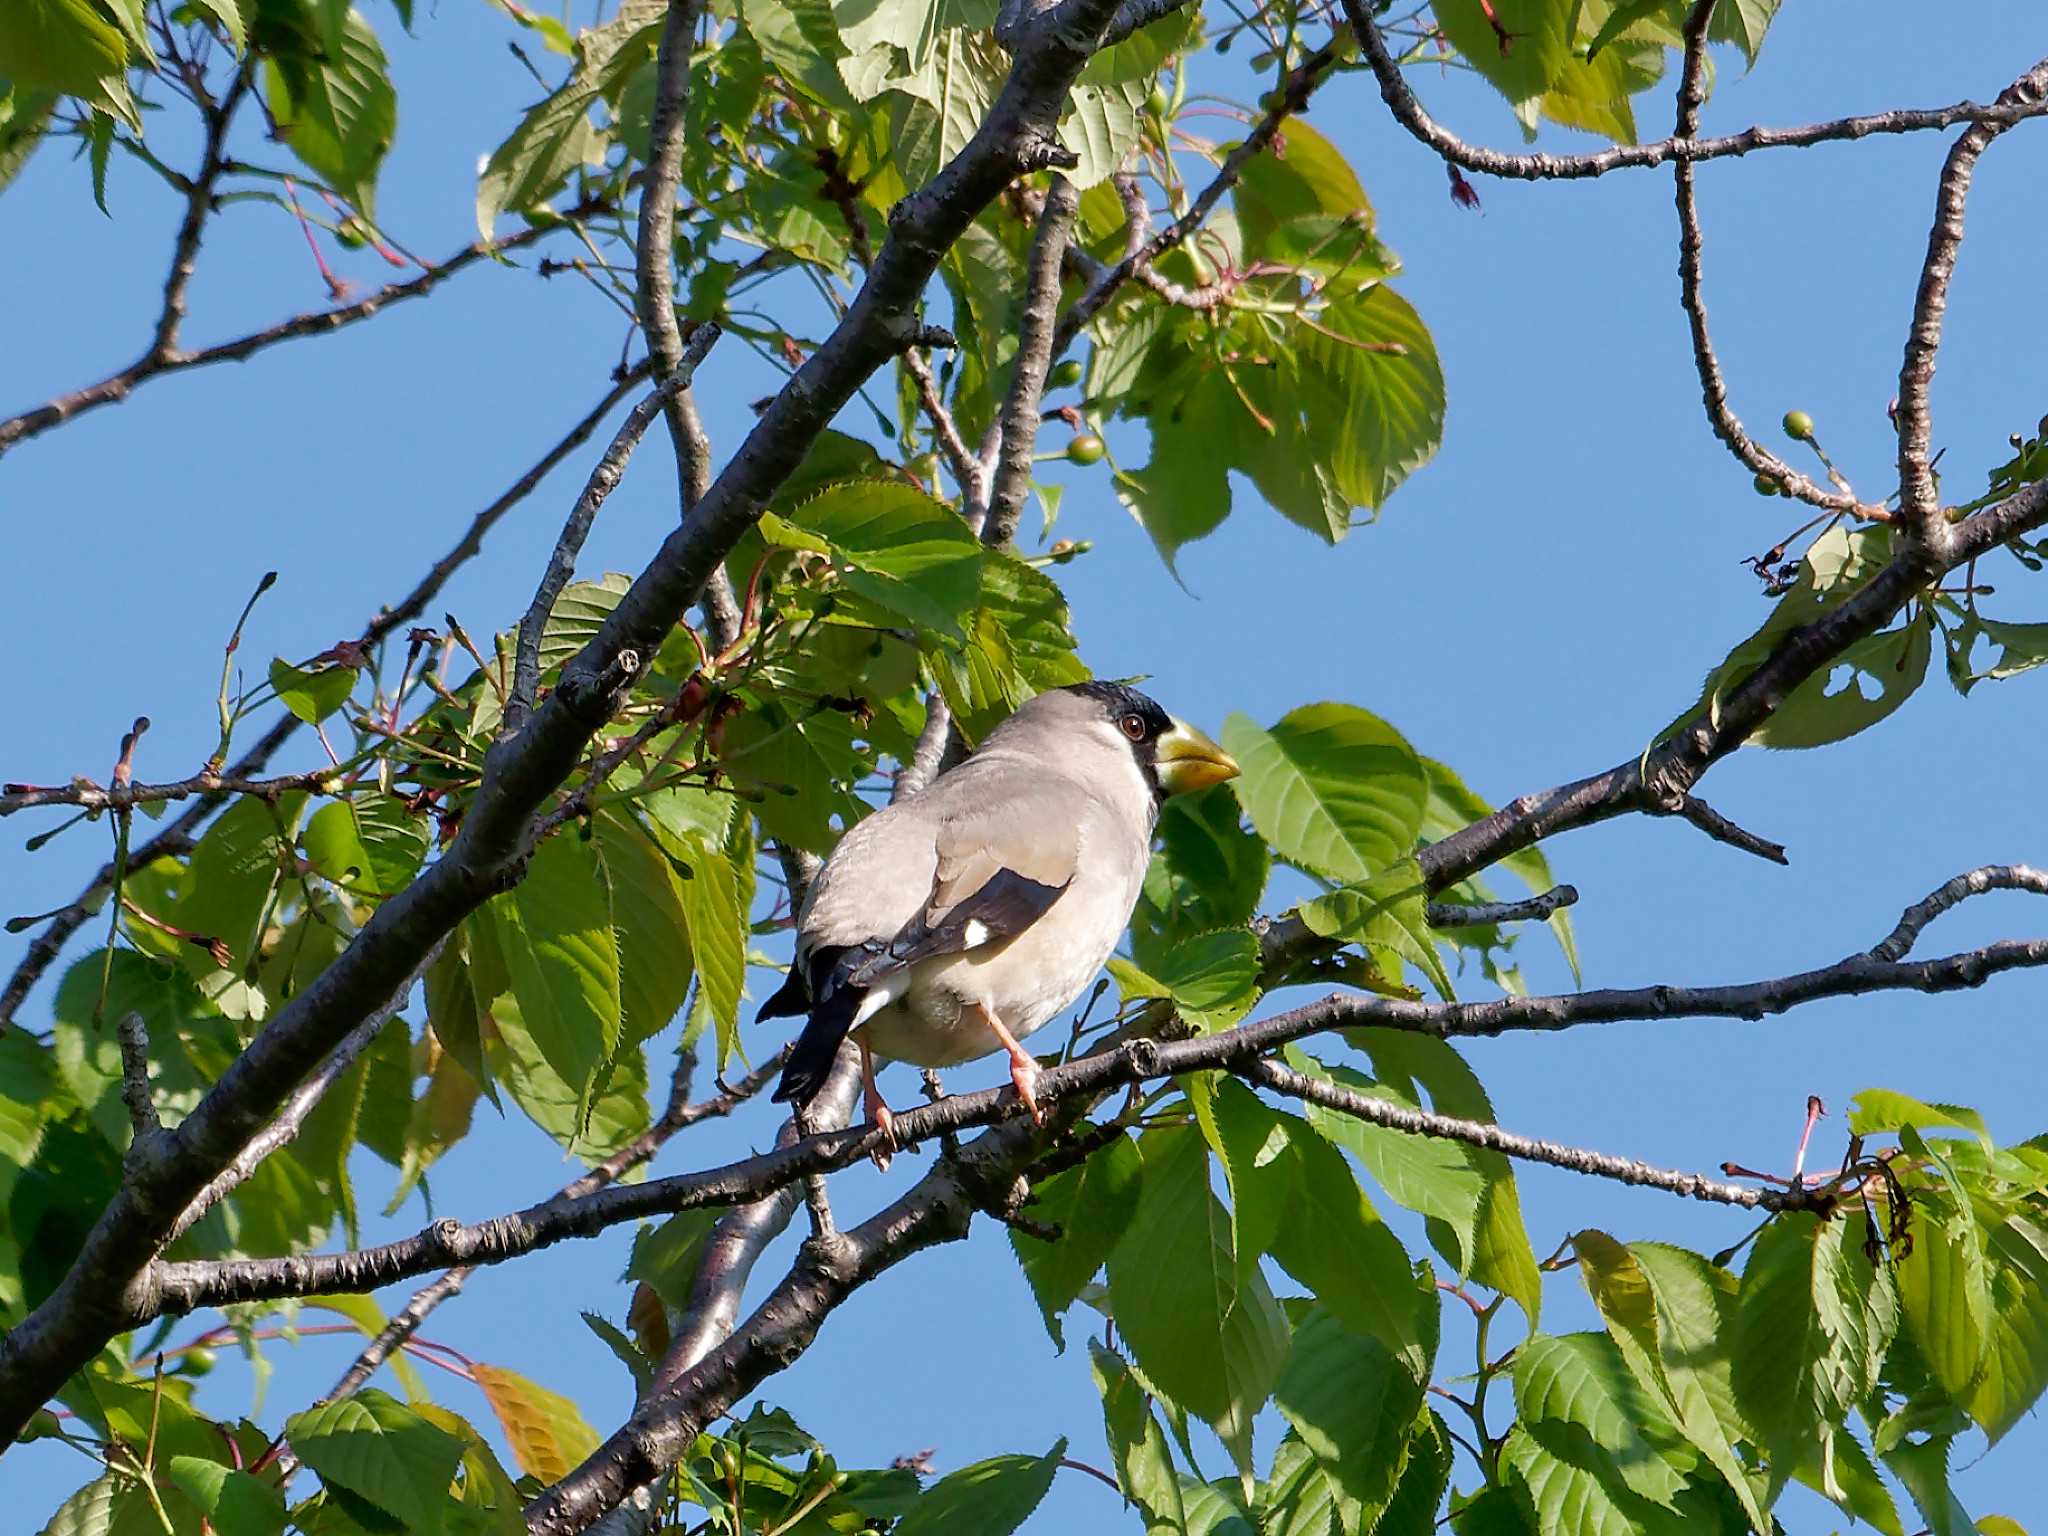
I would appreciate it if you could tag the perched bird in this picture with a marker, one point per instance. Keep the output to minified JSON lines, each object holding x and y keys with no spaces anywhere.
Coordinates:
{"x":959,"y":920}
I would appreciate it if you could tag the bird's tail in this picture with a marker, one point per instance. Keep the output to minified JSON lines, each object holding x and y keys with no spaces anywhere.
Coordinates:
{"x":811,"y":1060}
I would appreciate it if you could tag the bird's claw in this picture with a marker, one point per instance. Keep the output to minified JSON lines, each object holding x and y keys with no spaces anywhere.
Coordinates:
{"x":1024,"y":1073}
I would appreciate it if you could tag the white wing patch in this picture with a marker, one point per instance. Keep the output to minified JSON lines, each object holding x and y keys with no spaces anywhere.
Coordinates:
{"x":975,"y":933}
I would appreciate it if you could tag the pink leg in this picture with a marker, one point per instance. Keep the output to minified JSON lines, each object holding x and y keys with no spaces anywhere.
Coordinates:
{"x":873,"y":1107}
{"x":1023,"y":1070}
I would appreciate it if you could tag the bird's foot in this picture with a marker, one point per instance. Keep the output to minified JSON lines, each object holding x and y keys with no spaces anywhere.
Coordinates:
{"x":1024,"y":1072}
{"x":884,"y":1120}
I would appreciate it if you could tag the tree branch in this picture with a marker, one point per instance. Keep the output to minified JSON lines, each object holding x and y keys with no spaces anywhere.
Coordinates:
{"x":1444,"y":914}
{"x":1018,"y":421}
{"x":1474,"y":1133}
{"x":562,"y":561}
{"x":117,"y":386}
{"x":176,"y":837}
{"x":285,"y":1128}
{"x":182,"y":1287}
{"x":1989,"y":877}
{"x":133,"y":1035}
{"x":1692,"y":91}
{"x":1919,"y":501}
{"x":1409,"y":113}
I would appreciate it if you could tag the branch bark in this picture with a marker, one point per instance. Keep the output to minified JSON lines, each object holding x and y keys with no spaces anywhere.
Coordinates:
{"x":1409,"y":113}
{"x":1018,"y":421}
{"x":1919,"y":501}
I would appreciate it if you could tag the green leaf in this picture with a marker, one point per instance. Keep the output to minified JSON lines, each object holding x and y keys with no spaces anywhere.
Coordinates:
{"x":66,"y":46}
{"x":1333,"y":1242}
{"x":1579,"y":1380}
{"x":614,"y":1113}
{"x":801,"y":761}
{"x":311,"y":694}
{"x":1102,"y":126}
{"x":990,"y":1498}
{"x":1389,"y":912}
{"x":1209,"y":872}
{"x":1500,"y":1255}
{"x":1091,"y":1205}
{"x":1452,"y":806}
{"x":1845,"y":1474}
{"x":942,"y":103}
{"x":2016,"y":1359}
{"x":1331,"y":787}
{"x":1252,"y":1140}
{"x":1811,"y":1326}
{"x":800,"y":42}
{"x":718,"y":939}
{"x":1295,"y":199}
{"x":189,"y":1044}
{"x":1354,"y":1406}
{"x":546,"y":1431}
{"x":666,"y":1256}
{"x":1880,"y":1109}
{"x":1743,"y":23}
{"x":1209,"y":1338}
{"x":1517,"y":46}
{"x":1211,"y":979}
{"x":1183,"y":492}
{"x":1923,"y":1471}
{"x":1864,"y":684}
{"x":1137,"y":1445}
{"x":370,"y":844}
{"x":900,"y":548}
{"x":1945,"y":1292}
{"x":28,"y":1084}
{"x":1374,"y":415}
{"x":234,"y":1502}
{"x":1663,"y":1354}
{"x":24,"y":113}
{"x":228,"y":14}
{"x":563,"y":959}
{"x":337,"y":110}
{"x":649,"y":923}
{"x":378,"y":1449}
{"x":1596,"y":94}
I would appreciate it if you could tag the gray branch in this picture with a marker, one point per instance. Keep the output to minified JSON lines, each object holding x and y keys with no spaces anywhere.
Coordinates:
{"x":1444,"y":914}
{"x":285,"y":1128}
{"x":1989,"y":877}
{"x":182,"y":1287}
{"x":1919,"y":501}
{"x":1018,"y":420}
{"x":562,"y":560}
{"x":1409,"y":113}
{"x":1475,"y":1133}
{"x":1692,"y":91}
{"x":133,"y":1036}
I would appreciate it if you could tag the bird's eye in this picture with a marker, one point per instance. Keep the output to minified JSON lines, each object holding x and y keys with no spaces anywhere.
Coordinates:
{"x":1133,"y":726}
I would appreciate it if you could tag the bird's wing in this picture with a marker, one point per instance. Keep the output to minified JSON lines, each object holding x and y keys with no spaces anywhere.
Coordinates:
{"x":998,"y":845}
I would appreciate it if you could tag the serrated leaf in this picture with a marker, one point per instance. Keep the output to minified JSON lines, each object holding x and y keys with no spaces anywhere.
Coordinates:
{"x":1374,"y":414}
{"x":1144,"y":1461}
{"x":899,"y":547}
{"x":546,"y":1430}
{"x":718,"y":940}
{"x":337,"y":109}
{"x":2015,"y":1368}
{"x":650,"y":925}
{"x":233,"y":1502}
{"x":311,"y":693}
{"x":1354,"y":1406}
{"x":1880,"y":1109}
{"x":68,"y":47}
{"x":1743,"y":23}
{"x":563,"y":960}
{"x":991,"y":1498}
{"x":591,"y":1123}
{"x":1331,"y":787}
{"x":1517,"y":46}
{"x":370,"y":844}
{"x":1389,"y":912}
{"x":1091,"y":1205}
{"x":1210,"y":1338}
{"x":375,"y":1447}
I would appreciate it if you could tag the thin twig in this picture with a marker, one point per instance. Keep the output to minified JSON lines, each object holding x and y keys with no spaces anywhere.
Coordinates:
{"x":1710,"y":821}
{"x":117,"y":386}
{"x":1444,"y":914}
{"x":562,"y":560}
{"x":1409,"y":113}
{"x":1473,"y":1133}
{"x":133,"y":1035}
{"x":1989,"y":877}
{"x":1919,"y":500}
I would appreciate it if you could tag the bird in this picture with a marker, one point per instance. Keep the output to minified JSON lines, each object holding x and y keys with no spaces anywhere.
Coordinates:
{"x":962,"y":918}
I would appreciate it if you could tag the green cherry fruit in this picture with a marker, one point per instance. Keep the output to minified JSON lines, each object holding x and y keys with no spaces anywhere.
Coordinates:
{"x":1158,"y":102}
{"x":198,"y":1362}
{"x":1766,"y":486}
{"x":1086,"y":448}
{"x":1799,"y":425}
{"x":1064,"y":375}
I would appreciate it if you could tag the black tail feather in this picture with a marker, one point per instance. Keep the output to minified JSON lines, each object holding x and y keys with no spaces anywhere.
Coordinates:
{"x":811,"y":1061}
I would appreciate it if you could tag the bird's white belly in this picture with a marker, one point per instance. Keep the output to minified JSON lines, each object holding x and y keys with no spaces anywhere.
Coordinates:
{"x":935,"y":1022}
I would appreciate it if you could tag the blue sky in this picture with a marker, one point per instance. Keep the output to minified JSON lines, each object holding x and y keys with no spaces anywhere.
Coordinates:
{"x":1531,"y":607}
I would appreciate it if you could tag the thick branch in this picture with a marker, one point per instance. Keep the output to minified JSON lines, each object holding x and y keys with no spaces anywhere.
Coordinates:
{"x":181,"y":1287}
{"x":1919,"y":501}
{"x":116,"y":387}
{"x":1409,"y":113}
{"x":1474,"y":1133}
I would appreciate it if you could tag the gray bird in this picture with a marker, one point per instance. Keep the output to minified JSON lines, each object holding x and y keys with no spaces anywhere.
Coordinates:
{"x":959,"y":920}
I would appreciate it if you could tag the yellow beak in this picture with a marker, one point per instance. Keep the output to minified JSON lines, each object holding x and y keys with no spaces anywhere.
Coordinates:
{"x":1188,"y":760}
